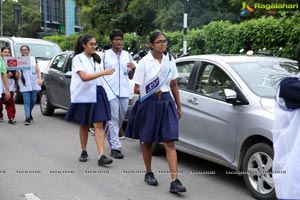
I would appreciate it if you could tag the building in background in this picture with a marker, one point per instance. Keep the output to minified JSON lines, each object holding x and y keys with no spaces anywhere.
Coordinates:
{"x":59,"y":16}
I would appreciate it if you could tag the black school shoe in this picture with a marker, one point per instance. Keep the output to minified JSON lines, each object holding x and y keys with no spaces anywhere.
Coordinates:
{"x":150,"y":179}
{"x":12,"y":121}
{"x":176,"y":186}
{"x":27,"y":121}
{"x":117,"y":154}
{"x":104,"y":160}
{"x":83,"y":157}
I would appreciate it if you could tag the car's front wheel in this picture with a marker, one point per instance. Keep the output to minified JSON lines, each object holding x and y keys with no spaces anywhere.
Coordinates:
{"x":45,"y":106}
{"x":257,"y":171}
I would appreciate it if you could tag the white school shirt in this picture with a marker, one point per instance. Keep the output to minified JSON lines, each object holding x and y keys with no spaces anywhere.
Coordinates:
{"x":30,"y":76}
{"x":286,"y":143}
{"x":83,"y":91}
{"x":119,"y":80}
{"x":148,"y":67}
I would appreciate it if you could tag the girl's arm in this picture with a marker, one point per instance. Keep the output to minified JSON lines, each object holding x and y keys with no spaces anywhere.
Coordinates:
{"x":88,"y":77}
{"x":39,"y":75}
{"x":175,"y":92}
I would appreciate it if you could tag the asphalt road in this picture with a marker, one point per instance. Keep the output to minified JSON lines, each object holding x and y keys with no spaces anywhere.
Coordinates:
{"x":40,"y":162}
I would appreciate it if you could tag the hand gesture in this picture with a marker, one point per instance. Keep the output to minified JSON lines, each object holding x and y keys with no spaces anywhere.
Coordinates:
{"x":109,"y":71}
{"x":131,"y":65}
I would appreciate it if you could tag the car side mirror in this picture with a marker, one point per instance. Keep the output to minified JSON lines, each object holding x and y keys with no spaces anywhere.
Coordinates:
{"x":182,"y":82}
{"x":68,"y":74}
{"x":230,"y":96}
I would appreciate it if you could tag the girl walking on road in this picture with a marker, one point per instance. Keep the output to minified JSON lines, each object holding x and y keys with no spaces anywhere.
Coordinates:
{"x":30,"y":83}
{"x":9,"y":103}
{"x":89,"y":102}
{"x":155,"y":117}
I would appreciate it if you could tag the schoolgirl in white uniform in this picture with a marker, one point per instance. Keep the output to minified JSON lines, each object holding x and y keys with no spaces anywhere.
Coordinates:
{"x":29,"y":82}
{"x":155,"y":119}
{"x":89,"y":102}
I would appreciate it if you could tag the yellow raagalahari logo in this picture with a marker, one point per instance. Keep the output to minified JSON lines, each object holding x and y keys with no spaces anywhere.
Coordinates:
{"x":276,"y":6}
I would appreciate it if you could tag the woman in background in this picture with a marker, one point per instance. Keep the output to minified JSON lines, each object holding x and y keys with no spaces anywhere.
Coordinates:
{"x":29,"y":82}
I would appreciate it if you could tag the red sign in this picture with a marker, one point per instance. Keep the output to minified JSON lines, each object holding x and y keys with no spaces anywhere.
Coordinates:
{"x":12,"y":63}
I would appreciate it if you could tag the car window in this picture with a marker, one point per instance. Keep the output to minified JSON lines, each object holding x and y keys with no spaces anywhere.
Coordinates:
{"x":263,"y":77}
{"x":4,"y":44}
{"x":58,"y":62}
{"x":212,"y":81}
{"x":184,"y":71}
{"x":38,"y":50}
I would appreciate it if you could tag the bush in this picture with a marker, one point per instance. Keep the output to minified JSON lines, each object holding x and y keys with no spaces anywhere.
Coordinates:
{"x":280,"y":35}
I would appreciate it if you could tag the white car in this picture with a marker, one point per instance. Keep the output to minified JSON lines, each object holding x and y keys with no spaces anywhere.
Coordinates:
{"x":42,"y":50}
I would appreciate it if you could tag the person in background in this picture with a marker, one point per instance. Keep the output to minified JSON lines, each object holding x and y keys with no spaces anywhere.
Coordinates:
{"x":154,"y":118}
{"x":30,"y":83}
{"x":286,"y":137}
{"x":89,"y":101}
{"x":122,"y":61}
{"x":4,"y":84}
{"x":9,"y":103}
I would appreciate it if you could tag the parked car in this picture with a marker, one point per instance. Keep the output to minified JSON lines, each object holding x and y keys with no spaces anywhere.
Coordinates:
{"x":227,"y":113}
{"x":55,"y":92}
{"x":42,"y":50}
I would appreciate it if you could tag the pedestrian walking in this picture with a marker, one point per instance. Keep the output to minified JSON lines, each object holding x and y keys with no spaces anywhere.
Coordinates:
{"x":4,"y":85}
{"x":30,"y":82}
{"x":9,"y":103}
{"x":286,"y":138}
{"x":123,"y":63}
{"x":155,"y":116}
{"x":89,"y":101}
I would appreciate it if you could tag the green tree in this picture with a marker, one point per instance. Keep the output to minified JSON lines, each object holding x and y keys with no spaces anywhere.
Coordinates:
{"x":30,"y":18}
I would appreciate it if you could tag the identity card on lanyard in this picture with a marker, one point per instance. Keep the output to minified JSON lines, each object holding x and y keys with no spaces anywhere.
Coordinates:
{"x":151,"y":86}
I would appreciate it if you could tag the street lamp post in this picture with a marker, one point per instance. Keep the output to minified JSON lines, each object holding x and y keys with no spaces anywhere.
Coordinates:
{"x":185,"y":16}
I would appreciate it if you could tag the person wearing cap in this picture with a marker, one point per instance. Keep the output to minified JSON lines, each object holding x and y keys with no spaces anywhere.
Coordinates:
{"x":286,"y":138}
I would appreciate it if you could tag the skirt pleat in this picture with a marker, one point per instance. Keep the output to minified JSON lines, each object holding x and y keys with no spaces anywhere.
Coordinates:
{"x":153,"y":120}
{"x":89,"y":113}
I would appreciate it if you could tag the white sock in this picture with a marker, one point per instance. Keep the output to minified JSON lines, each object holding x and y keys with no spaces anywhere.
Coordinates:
{"x":100,"y":156}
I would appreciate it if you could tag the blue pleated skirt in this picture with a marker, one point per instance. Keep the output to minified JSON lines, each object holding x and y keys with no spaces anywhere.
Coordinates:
{"x":153,"y":120}
{"x":89,"y":113}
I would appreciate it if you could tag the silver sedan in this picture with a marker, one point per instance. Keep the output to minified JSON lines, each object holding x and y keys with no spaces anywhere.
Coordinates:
{"x":227,"y":113}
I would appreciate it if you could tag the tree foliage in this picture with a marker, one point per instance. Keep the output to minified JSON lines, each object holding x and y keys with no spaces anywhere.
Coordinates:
{"x":144,"y":16}
{"x":30,"y":21}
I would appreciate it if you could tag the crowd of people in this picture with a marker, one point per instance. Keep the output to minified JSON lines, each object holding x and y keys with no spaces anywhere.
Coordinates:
{"x":29,"y":80}
{"x":100,"y":93}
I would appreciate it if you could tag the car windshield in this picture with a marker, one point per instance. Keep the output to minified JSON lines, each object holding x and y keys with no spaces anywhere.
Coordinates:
{"x":39,"y":51}
{"x":263,"y":77}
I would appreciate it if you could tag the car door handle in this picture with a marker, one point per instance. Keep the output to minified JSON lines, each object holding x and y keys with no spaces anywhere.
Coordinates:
{"x":193,"y":101}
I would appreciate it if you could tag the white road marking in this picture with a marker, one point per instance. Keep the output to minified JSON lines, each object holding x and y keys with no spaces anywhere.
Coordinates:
{"x":31,"y":196}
